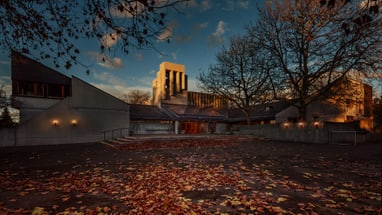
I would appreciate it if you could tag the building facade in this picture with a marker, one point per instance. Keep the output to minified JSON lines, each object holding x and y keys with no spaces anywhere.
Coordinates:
{"x":56,"y":109}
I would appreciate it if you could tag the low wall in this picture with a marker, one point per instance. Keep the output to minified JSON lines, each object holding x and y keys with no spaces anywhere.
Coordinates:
{"x":151,"y":128}
{"x":324,"y":133}
{"x":7,"y":137}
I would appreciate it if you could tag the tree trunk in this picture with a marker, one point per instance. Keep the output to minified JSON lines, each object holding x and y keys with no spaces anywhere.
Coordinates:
{"x":248,"y":116}
{"x":302,"y":112}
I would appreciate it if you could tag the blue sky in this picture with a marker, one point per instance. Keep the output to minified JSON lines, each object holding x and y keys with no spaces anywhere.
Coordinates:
{"x":197,"y":34}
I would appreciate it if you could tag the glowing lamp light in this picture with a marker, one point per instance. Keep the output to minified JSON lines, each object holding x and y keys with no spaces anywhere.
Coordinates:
{"x":301,"y":124}
{"x":316,"y":124}
{"x":286,"y":124}
{"x":55,"y":122}
{"x":74,"y":122}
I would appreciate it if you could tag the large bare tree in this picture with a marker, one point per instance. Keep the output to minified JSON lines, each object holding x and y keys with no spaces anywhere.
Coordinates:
{"x":238,"y":75}
{"x":315,"y":44}
{"x":137,"y":97}
{"x":51,"y":29}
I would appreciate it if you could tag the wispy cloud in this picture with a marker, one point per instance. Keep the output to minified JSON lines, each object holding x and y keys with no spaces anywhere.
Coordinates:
{"x":106,"y":61}
{"x":190,"y":3}
{"x":166,"y":34}
{"x":192,"y":85}
{"x":173,"y":55}
{"x":182,"y":38}
{"x":201,"y":26}
{"x":217,"y":37}
{"x":127,"y":10}
{"x":5,"y":62}
{"x":110,"y":84}
{"x":138,"y":56}
{"x":114,"y":86}
{"x":231,"y":5}
{"x":110,"y":39}
{"x":243,"y":4}
{"x":109,"y":78}
{"x":205,"y":5}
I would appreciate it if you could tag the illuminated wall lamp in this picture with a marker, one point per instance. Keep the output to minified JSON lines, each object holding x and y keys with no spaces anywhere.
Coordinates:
{"x":301,"y":124}
{"x":55,"y":122}
{"x":286,"y":125}
{"x":316,"y":124}
{"x":74,"y":122}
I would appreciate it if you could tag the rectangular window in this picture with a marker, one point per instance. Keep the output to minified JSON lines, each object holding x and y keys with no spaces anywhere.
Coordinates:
{"x":55,"y":90}
{"x":167,"y":85}
{"x":174,"y":91}
{"x":181,"y":82}
{"x":39,"y":89}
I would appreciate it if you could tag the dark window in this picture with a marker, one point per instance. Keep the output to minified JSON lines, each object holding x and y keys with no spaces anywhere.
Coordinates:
{"x":174,"y":83}
{"x":181,"y":82}
{"x":26,"y":89}
{"x":55,"y":90}
{"x":167,"y":85}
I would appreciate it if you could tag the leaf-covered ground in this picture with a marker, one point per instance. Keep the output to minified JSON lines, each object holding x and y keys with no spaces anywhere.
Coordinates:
{"x":215,"y":175}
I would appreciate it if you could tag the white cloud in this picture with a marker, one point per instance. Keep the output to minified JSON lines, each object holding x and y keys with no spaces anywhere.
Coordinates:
{"x":105,"y":61}
{"x":205,"y":5}
{"x":216,"y":38}
{"x":173,"y":54}
{"x":108,"y":78}
{"x":110,"y":84}
{"x":243,"y":4}
{"x":190,"y":3}
{"x":127,"y":10}
{"x":166,"y":34}
{"x":110,"y":39}
{"x":231,"y":5}
{"x":192,"y":86}
{"x":112,"y":63}
{"x":203,"y":25}
{"x":138,"y":56}
{"x":116,"y":87}
{"x":115,"y":90}
{"x":4,"y":62}
{"x":183,"y":38}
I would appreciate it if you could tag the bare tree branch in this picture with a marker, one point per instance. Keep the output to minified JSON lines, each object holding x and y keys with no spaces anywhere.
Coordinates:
{"x":238,"y":75}
{"x":314,"y":45}
{"x":52,"y":29}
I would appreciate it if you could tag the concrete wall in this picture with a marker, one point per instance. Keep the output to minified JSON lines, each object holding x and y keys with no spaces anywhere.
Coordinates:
{"x":141,"y":127}
{"x":93,"y":110}
{"x":308,"y":133}
{"x":7,"y":136}
{"x":31,"y":106}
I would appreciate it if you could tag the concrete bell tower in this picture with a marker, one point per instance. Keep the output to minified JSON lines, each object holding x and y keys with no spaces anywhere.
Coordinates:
{"x":170,"y":85}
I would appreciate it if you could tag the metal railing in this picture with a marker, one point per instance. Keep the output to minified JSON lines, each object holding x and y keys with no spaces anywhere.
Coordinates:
{"x":118,"y":132}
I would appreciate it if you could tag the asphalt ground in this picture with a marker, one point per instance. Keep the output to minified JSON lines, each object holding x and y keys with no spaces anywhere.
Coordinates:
{"x":192,"y":175}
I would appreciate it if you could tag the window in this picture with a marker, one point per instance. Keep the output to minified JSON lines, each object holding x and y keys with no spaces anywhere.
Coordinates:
{"x":349,"y":118}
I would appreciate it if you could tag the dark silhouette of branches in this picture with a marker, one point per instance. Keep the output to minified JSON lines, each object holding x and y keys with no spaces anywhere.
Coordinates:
{"x":314,"y":45}
{"x":52,"y":29}
{"x":238,"y":75}
{"x":137,"y":97}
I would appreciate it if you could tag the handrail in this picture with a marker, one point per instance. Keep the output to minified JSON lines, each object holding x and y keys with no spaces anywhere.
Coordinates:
{"x":112,"y":131}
